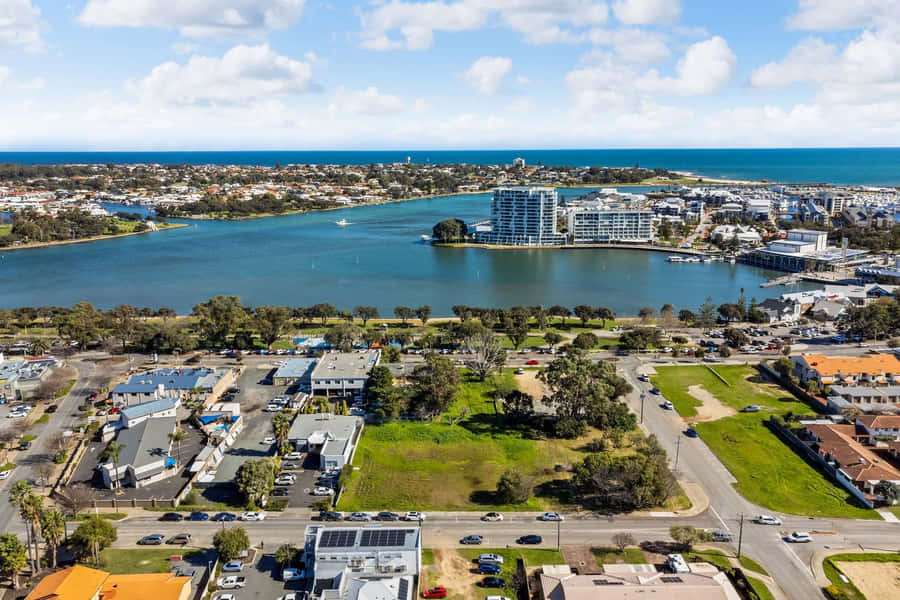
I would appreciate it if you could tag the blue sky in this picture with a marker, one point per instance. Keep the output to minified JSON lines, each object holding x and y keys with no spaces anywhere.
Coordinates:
{"x":408,"y":74}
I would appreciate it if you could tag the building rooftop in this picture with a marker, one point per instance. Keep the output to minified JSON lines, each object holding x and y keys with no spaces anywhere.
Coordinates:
{"x":879,"y":421}
{"x":83,"y":583}
{"x":146,"y":442}
{"x":170,"y":379}
{"x":346,"y":365}
{"x":632,"y":582}
{"x":295,"y":368}
{"x":852,"y":365}
{"x":859,"y":462}
{"x":74,"y":583}
{"x":148,"y":408}
{"x":338,"y":427}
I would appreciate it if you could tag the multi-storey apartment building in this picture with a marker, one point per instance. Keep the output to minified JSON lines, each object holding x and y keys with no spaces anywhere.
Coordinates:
{"x":523,"y":216}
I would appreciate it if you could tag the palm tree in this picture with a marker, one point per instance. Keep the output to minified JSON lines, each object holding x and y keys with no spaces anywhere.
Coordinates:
{"x":30,"y":506}
{"x":112,"y":452}
{"x":53,"y":528}
{"x":176,"y":438}
{"x":281,"y":427}
{"x":39,"y":346}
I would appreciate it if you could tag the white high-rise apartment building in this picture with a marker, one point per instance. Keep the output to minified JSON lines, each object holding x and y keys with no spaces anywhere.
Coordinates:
{"x":523,"y":216}
{"x":589,"y":225}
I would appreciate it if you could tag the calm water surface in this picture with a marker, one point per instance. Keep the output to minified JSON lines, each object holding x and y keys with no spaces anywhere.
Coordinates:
{"x":299,"y":260}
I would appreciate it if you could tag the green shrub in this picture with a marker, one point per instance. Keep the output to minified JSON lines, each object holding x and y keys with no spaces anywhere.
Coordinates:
{"x":277,"y":505}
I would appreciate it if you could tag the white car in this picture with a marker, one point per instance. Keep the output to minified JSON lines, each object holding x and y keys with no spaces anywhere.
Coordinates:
{"x":268,"y":440}
{"x":291,"y":596}
{"x":293,"y":456}
{"x":253,"y":516}
{"x":233,"y":566}
{"x":492,"y":516}
{"x":17,"y":414}
{"x":414,"y":515}
{"x":322,"y":491}
{"x":496,"y":598}
{"x":767,"y":520}
{"x":667,"y":405}
{"x":5,"y":474}
{"x":225,"y":597}
{"x":285,"y":481}
{"x":231,"y":582}
{"x":551,"y":516}
{"x":798,"y":537}
{"x":272,"y":407}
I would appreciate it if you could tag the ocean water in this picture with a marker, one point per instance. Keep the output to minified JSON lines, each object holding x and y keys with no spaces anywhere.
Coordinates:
{"x":849,"y":166}
{"x":299,"y":260}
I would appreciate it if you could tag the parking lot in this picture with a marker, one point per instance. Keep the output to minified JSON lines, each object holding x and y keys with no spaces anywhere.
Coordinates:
{"x":263,"y":580}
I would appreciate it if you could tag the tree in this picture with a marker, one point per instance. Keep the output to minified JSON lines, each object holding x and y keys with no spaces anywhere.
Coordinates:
{"x":30,"y":506}
{"x":112,"y":452}
{"x":229,"y":543}
{"x":285,"y":554}
{"x":76,"y":498}
{"x":365,"y":313}
{"x":487,"y":353}
{"x":93,"y":535}
{"x":735,"y":337}
{"x":220,"y":317}
{"x":44,"y":468}
{"x":784,"y":366}
{"x":512,"y":488}
{"x":124,"y":321}
{"x":667,"y":314}
{"x":645,"y":313}
{"x":281,"y":427}
{"x":13,"y":557}
{"x":254,"y":479}
{"x":423,"y":313}
{"x":176,"y":437}
{"x":404,"y":313}
{"x":344,"y":336}
{"x":706,"y":315}
{"x":724,"y":351}
{"x":560,"y":311}
{"x":686,"y":316}
{"x":323,"y":311}
{"x":585,"y":313}
{"x":270,"y":322}
{"x":605,"y":314}
{"x":80,"y":325}
{"x":622,"y":540}
{"x":435,"y":384}
{"x":640,"y":338}
{"x":585,"y":341}
{"x":450,"y":231}
{"x":889,"y":491}
{"x":53,"y":528}
{"x":731,"y":311}
{"x":688,"y":535}
{"x":638,"y":480}
{"x":552,"y":338}
{"x":39,"y":346}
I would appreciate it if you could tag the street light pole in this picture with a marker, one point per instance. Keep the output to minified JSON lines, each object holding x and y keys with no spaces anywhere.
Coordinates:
{"x":643,"y":395}
{"x":558,"y":524}
{"x":740,"y":535}
{"x":677,"y":448}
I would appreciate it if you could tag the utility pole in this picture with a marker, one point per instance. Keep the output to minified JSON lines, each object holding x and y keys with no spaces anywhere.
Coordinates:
{"x":677,"y":448}
{"x":558,"y":524}
{"x":740,"y":535}
{"x":643,"y":395}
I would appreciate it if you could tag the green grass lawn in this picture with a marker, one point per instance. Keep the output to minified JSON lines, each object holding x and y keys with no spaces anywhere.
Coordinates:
{"x":532,"y":341}
{"x":5,"y":230}
{"x":118,"y":561}
{"x":438,"y":466}
{"x":761,"y":589}
{"x":427,"y":557}
{"x":609,"y":556}
{"x":714,"y":557}
{"x":749,"y":563}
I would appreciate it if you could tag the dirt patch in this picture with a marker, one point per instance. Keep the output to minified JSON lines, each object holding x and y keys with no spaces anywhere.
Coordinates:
{"x":877,"y":581}
{"x":531,"y":385}
{"x":581,"y":558}
{"x":711,"y":409}
{"x":454,"y":572}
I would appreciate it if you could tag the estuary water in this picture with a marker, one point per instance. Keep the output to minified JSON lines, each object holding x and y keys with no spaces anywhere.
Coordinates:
{"x":378,"y":259}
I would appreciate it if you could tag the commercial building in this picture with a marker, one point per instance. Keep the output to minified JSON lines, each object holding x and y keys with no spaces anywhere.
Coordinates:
{"x":872,"y":369}
{"x":343,"y":373}
{"x":864,"y":398}
{"x":294,"y":371}
{"x":83,"y":583}
{"x":702,"y":581}
{"x":523,"y":216}
{"x":20,"y":379}
{"x":804,"y":250}
{"x":332,"y":438}
{"x":363,"y":563}
{"x":207,"y":384}
{"x":144,"y":458}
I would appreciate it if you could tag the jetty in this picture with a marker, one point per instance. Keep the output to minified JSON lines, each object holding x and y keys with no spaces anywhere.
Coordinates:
{"x":783,"y":280}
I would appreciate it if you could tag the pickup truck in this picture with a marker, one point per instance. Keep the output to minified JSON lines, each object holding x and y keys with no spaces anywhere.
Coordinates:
{"x":231,"y":582}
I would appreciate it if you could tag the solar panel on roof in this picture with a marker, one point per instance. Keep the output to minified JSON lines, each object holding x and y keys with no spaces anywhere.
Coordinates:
{"x":337,"y":538}
{"x":384,"y":537}
{"x":403,"y":590}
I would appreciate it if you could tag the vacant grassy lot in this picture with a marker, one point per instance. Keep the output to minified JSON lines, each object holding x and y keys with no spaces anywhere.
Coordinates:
{"x":611,"y":556}
{"x":746,"y":387}
{"x":769,"y":473}
{"x":118,"y":561}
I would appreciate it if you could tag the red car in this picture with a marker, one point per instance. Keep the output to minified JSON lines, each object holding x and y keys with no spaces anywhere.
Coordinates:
{"x":532,"y":362}
{"x":435,"y":592}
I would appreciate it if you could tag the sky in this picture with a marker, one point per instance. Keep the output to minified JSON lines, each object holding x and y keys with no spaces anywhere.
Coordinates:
{"x":455,"y":74}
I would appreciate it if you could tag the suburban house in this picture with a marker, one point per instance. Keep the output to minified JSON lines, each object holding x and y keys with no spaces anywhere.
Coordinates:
{"x":84,"y":583}
{"x":363,"y":563}
{"x":205,"y":384}
{"x":839,"y":446}
{"x":144,"y":458}
{"x":343,"y":373}
{"x":331,"y":437}
{"x":869,"y":369}
{"x":295,"y":371}
{"x":779,"y":311}
{"x":864,"y":398}
{"x":627,"y":581}
{"x":884,"y":427}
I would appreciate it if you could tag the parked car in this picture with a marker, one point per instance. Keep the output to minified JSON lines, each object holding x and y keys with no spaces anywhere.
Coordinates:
{"x":414,"y":515}
{"x":492,"y":516}
{"x":387,"y":516}
{"x":280,"y":492}
{"x":798,"y":537}
{"x":291,"y":466}
{"x":225,"y":597}
{"x":767,"y":520}
{"x":224,"y":516}
{"x":293,"y":574}
{"x":622,"y":353}
{"x":655,"y":391}
{"x":285,"y":480}
{"x":751,"y":408}
{"x":322,"y":491}
{"x":253,"y":516}
{"x":181,"y":539}
{"x":691,"y":432}
{"x":721,"y":536}
{"x":233,"y":566}
{"x":172,"y":516}
{"x":268,"y":440}
{"x":551,"y":516}
{"x":330,"y":515}
{"x":199,"y":516}
{"x":644,"y":377}
{"x":359,"y":516}
{"x":496,"y":598}
{"x":435,"y":592}
{"x":472,"y":540}
{"x":532,"y":362}
{"x":231,"y":582}
{"x":490,"y":558}
{"x":667,"y":405}
{"x":489,"y":569}
{"x":530,"y":539}
{"x":492,"y":582}
{"x":154,"y":539}
{"x":5,"y":474}
{"x":293,"y":456}
{"x":273,"y":407}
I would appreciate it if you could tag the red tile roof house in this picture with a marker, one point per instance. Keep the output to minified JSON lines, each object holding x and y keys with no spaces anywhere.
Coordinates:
{"x":840,"y":446}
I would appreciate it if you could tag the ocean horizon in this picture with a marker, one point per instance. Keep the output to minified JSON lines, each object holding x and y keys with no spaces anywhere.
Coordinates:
{"x":839,"y":166}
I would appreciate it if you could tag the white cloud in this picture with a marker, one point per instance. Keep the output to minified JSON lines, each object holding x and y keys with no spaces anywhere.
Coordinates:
{"x":4,"y":74}
{"x":706,"y":67}
{"x":647,"y":12}
{"x":185,"y":47}
{"x":539,"y":21}
{"x":243,"y":74}
{"x":523,"y":81}
{"x":522,"y":105}
{"x":633,"y":45}
{"x":194,"y":17}
{"x":36,"y":83}
{"x":487,"y":73}
{"x":836,"y":15}
{"x":368,"y":102}
{"x":21,"y":25}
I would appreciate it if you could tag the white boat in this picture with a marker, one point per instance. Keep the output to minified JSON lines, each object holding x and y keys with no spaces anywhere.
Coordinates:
{"x":426,"y":238}
{"x":342,"y":223}
{"x":731,"y":260}
{"x":675,"y":259}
